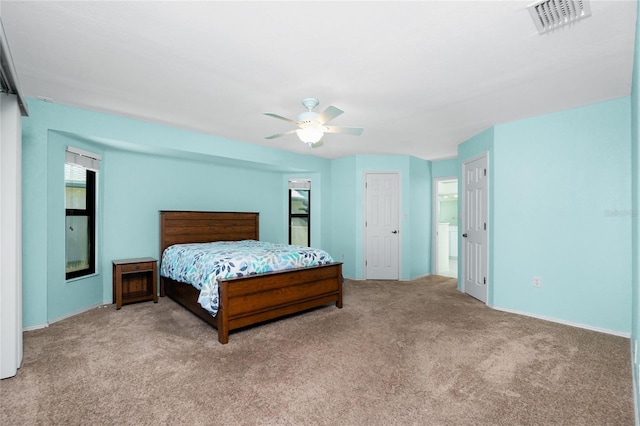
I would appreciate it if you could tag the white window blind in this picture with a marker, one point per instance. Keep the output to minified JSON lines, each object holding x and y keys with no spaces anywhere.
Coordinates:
{"x":300,"y":184}
{"x":83,"y":158}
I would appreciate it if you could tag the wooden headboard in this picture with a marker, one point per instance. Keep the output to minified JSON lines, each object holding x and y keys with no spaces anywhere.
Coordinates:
{"x":181,"y":227}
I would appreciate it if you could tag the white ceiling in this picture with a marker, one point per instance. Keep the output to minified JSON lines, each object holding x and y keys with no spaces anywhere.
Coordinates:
{"x":420,"y":77}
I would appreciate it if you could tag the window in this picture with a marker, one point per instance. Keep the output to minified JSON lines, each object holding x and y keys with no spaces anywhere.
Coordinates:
{"x":80,"y":207}
{"x":299,"y":213}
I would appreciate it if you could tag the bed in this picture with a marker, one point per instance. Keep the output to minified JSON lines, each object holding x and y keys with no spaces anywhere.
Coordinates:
{"x":248,"y":300}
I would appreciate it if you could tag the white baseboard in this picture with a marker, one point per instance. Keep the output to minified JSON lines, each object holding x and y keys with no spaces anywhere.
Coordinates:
{"x":72,"y":314}
{"x":636,"y":395}
{"x":35,"y":327}
{"x":353,"y":279}
{"x":416,"y":278}
{"x":401,"y":279}
{"x":635,"y":379}
{"x":560,"y":321}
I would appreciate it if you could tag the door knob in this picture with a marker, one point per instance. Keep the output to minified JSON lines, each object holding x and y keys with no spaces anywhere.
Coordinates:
{"x":394,"y":232}
{"x":465,"y":235}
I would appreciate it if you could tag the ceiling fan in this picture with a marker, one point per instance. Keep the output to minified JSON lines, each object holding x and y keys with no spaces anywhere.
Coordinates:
{"x":312,"y":125}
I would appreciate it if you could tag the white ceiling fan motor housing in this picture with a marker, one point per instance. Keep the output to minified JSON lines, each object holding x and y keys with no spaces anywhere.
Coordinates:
{"x":308,"y":118}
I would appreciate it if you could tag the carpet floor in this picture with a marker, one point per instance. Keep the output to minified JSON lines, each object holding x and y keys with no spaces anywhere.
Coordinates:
{"x":416,"y":352}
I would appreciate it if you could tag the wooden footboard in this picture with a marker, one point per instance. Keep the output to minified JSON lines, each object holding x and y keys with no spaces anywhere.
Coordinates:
{"x":250,"y":300}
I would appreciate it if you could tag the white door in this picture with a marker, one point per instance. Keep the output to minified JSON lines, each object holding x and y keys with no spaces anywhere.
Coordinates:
{"x":382,"y":229}
{"x":474,"y":227}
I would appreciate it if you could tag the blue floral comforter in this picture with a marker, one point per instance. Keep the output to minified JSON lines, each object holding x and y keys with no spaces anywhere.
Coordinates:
{"x":201,"y":264}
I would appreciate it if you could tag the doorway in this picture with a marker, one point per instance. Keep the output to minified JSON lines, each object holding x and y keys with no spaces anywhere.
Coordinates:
{"x":445,"y":213}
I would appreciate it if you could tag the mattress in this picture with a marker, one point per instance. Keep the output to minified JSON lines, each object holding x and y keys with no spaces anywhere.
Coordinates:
{"x":202,"y":264}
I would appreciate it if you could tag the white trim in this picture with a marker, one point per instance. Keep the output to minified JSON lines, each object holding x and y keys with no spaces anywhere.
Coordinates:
{"x":45,"y":325}
{"x":300,"y":184}
{"x":35,"y":327}
{"x":9,"y":77}
{"x":400,"y":279}
{"x":72,"y":314}
{"x":564,"y":322}
{"x":84,"y":277}
{"x":83,"y":158}
{"x":84,"y":153}
{"x":635,"y":380}
{"x":635,"y":401}
{"x":416,"y":278}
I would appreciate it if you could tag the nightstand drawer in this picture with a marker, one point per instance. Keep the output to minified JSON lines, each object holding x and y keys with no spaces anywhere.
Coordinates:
{"x":137,"y":267}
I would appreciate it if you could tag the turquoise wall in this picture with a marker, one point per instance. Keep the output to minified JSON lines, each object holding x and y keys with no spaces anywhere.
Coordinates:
{"x":343,"y":224}
{"x":635,"y":164}
{"x":34,"y":225}
{"x":561,"y":212}
{"x":154,"y":183}
{"x":420,"y":217}
{"x":444,"y":168}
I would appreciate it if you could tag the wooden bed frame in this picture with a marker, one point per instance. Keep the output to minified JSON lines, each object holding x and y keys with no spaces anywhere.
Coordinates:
{"x":247,"y":300}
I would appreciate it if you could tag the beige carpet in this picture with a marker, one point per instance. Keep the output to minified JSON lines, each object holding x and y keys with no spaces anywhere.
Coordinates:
{"x":398,"y":353}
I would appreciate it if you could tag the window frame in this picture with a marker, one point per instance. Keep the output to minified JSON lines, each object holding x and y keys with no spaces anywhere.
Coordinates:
{"x":90,"y":212}
{"x":306,"y":215}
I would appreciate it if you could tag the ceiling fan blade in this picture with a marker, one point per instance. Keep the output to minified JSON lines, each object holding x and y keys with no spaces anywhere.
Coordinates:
{"x":281,"y":134}
{"x":345,"y":130}
{"x":328,"y":114}
{"x":270,"y":114}
{"x":317,"y":144}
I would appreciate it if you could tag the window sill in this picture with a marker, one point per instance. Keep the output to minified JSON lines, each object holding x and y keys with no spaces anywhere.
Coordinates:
{"x":84,"y":277}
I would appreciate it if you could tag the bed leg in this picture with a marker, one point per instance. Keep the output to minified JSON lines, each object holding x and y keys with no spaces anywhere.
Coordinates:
{"x":340,"y":281}
{"x":223,"y":316}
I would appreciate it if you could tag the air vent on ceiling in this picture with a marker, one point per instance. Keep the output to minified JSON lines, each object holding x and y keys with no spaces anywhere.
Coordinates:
{"x":551,"y":14}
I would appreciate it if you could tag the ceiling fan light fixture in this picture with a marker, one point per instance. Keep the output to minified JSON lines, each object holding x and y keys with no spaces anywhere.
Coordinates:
{"x":310,"y":134}
{"x":311,"y":125}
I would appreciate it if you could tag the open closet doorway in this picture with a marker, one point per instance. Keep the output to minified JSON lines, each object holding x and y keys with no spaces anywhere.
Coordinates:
{"x":445,"y":223}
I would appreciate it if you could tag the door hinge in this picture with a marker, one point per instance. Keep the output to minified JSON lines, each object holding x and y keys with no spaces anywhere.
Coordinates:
{"x":485,"y":226}
{"x":485,"y":172}
{"x":484,"y":280}
{"x":366,"y":263}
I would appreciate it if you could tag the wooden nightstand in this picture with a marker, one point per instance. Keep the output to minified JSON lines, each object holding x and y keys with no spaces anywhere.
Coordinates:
{"x":135,"y":280}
